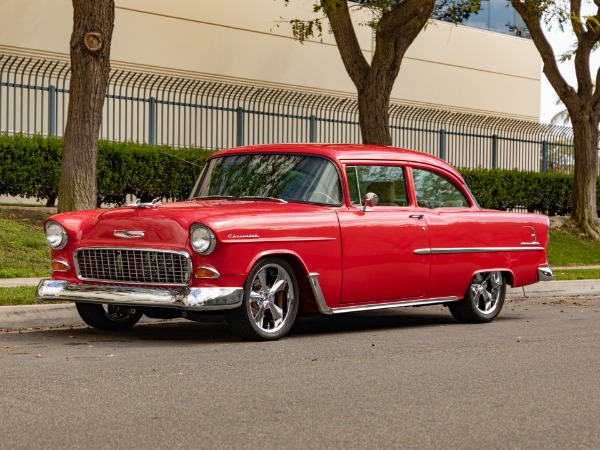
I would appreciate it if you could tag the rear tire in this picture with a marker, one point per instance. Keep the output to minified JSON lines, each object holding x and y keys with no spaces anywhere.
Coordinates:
{"x":270,"y":302}
{"x":108,"y":317}
{"x":484,"y":299}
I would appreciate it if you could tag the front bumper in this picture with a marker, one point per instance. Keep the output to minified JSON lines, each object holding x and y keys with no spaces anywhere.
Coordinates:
{"x":194,"y":299}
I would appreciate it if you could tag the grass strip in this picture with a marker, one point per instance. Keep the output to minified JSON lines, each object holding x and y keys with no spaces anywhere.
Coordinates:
{"x":567,"y":250}
{"x":20,"y":295}
{"x":24,"y":252}
{"x":577,"y":274}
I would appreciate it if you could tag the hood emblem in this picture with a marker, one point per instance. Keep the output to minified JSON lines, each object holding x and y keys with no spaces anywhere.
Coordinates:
{"x":138,"y":204}
{"x":129,"y":234}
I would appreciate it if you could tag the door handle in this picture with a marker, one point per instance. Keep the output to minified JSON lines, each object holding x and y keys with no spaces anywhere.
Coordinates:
{"x":416,"y":216}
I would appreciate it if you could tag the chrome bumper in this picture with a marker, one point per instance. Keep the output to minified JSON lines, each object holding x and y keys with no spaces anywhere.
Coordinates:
{"x":545,"y":274}
{"x":197,"y":299}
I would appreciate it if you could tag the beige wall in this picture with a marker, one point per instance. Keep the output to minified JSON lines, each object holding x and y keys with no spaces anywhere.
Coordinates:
{"x":456,"y":68}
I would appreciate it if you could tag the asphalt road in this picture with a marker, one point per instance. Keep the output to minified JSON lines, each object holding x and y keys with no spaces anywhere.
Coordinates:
{"x":408,"y":378}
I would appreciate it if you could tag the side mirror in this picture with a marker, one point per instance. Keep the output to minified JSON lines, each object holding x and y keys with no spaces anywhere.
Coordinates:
{"x":371,"y":200}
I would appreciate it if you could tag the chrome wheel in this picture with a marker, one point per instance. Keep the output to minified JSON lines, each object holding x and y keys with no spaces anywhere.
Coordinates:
{"x":270,"y":304}
{"x":485,"y":291}
{"x":483,"y":300}
{"x":271,"y":298}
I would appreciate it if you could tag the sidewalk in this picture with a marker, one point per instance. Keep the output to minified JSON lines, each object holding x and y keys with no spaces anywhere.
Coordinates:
{"x":64,"y":315}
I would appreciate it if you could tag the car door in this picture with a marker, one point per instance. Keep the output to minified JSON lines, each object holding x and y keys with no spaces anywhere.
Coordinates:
{"x":379,"y":243}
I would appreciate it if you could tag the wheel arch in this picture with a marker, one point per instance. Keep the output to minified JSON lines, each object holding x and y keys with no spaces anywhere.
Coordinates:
{"x":508,"y":274}
{"x":307,"y":299}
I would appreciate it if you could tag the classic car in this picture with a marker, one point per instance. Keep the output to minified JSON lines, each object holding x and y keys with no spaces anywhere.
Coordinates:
{"x":272,"y":231}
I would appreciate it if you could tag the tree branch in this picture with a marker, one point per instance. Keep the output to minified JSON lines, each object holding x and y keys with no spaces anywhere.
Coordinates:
{"x":341,"y":23}
{"x":398,"y":28}
{"x":533,"y":22}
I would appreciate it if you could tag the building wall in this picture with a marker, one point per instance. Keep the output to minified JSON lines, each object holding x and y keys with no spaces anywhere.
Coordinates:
{"x":248,"y":42}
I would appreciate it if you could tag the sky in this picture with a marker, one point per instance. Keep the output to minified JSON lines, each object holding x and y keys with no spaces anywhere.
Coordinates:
{"x":561,"y":42}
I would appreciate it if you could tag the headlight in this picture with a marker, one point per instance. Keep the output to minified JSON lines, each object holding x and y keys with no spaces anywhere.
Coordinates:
{"x":203,"y":240}
{"x":56,"y":236}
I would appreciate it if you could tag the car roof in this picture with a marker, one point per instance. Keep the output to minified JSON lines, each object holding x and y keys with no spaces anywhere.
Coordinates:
{"x":349,"y":152}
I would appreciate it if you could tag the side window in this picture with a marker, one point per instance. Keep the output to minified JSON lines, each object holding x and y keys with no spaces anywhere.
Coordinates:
{"x":387,"y":182}
{"x":436,"y":191}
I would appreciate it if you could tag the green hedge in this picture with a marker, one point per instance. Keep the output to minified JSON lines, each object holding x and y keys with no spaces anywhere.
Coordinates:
{"x":30,"y":167}
{"x":505,"y":189}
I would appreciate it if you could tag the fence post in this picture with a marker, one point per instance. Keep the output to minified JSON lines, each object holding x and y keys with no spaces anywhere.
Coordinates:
{"x":52,"y":111}
{"x":495,"y":151}
{"x":544,"y":156}
{"x":240,"y":127}
{"x":443,"y":144}
{"x":312,"y":133}
{"x":152,"y":122}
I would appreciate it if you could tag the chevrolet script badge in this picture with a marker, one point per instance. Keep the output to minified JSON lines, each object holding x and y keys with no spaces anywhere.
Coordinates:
{"x":129,"y":234}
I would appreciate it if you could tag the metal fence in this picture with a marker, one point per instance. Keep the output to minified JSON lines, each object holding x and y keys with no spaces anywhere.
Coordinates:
{"x":180,"y":112}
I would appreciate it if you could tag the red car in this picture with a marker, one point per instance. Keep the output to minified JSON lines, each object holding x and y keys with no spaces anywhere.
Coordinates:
{"x":274,"y":230}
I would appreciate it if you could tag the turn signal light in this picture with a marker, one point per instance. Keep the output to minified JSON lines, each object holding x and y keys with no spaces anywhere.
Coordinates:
{"x":59,"y":266}
{"x":206,"y":272}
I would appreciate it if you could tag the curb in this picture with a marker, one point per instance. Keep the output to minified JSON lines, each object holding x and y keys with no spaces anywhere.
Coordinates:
{"x":575,"y":288}
{"x":38,"y":316}
{"x":65,"y":315}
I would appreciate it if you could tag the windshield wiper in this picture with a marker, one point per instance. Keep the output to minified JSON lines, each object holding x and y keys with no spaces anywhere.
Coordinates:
{"x":258,"y":197}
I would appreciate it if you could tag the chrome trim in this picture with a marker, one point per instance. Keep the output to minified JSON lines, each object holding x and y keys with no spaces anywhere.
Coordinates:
{"x":60,"y":262}
{"x":283,"y":239}
{"x":530,"y":243}
{"x":444,"y":251}
{"x":138,"y":204}
{"x":545,"y":274}
{"x":211,"y":269}
{"x":129,"y":234}
{"x":213,"y":238}
{"x":313,"y":278}
{"x":201,"y":299}
{"x":422,"y":251}
{"x":65,"y":235}
{"x":178,"y":252}
{"x":430,"y":301}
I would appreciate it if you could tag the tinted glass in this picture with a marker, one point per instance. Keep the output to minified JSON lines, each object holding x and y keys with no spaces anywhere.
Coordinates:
{"x":288,"y":177}
{"x":436,"y":191}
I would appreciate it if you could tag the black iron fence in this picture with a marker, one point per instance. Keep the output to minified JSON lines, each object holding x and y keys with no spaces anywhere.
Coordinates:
{"x":186,"y":112}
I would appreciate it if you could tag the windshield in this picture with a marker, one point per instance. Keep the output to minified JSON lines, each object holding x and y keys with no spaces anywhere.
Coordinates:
{"x":295,"y":178}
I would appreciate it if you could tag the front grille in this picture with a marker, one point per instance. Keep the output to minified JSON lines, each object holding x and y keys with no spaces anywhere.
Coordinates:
{"x":133,"y":266}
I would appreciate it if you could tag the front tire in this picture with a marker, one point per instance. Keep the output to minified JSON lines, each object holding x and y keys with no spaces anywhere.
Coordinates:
{"x":270,"y":302}
{"x":108,"y":317}
{"x":484,"y":299}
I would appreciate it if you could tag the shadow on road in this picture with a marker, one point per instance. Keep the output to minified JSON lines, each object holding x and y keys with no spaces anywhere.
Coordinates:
{"x":307,"y":325}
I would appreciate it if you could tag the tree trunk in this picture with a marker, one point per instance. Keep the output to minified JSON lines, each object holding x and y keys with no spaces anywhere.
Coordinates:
{"x":585,"y":141}
{"x":93,"y":22}
{"x":373,"y":113}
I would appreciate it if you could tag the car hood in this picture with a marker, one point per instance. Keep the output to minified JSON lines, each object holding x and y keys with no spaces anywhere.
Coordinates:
{"x":168,"y":224}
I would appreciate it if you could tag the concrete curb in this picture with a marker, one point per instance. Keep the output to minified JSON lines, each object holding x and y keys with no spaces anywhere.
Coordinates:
{"x":65,"y":315}
{"x":576,"y":288}
{"x":38,"y":316}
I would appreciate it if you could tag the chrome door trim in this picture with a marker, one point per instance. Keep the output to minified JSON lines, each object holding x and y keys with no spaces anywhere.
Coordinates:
{"x":446,"y":251}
